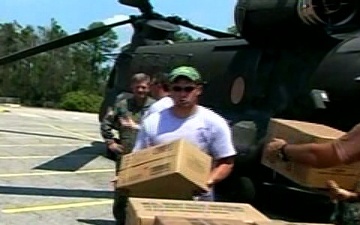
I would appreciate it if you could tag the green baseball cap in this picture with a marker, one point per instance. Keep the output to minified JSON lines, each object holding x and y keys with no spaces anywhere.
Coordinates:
{"x":185,"y":71}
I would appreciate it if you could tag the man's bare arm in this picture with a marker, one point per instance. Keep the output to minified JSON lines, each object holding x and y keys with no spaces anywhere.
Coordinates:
{"x":320,"y":155}
{"x":221,"y":170}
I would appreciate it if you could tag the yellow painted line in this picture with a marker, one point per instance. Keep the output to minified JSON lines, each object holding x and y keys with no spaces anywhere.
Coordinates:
{"x":55,"y":173}
{"x":2,"y":109}
{"x":26,"y":157}
{"x":73,"y":133}
{"x":57,"y":206}
{"x":12,"y":105}
{"x":43,"y":145}
{"x":45,"y":156}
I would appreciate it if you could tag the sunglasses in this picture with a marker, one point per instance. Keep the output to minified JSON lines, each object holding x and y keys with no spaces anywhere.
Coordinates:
{"x":187,"y":89}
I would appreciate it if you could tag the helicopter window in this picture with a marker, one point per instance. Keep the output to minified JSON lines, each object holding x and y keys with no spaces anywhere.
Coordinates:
{"x":350,"y":46}
{"x":237,"y":90}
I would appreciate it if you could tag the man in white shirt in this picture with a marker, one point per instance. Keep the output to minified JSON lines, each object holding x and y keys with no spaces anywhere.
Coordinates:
{"x":195,"y":123}
{"x":159,"y":90}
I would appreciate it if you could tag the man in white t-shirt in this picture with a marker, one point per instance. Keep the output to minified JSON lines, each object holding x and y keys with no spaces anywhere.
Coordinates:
{"x":159,"y":90}
{"x":195,"y":123}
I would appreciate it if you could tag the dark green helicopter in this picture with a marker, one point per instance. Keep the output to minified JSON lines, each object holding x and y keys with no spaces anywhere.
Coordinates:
{"x":295,"y":59}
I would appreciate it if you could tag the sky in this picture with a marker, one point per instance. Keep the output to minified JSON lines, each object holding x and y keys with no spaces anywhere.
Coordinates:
{"x":75,"y":14}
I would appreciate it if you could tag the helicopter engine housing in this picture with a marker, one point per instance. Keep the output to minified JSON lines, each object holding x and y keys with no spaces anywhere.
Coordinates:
{"x":279,"y":21}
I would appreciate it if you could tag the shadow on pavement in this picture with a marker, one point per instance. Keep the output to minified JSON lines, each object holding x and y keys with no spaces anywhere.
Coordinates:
{"x":97,"y":222}
{"x":55,"y":192}
{"x":76,"y":159}
{"x":39,"y":134}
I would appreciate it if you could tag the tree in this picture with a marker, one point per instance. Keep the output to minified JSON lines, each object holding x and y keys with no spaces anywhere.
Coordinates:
{"x":48,"y":76}
{"x":183,"y":36}
{"x":96,"y":53}
{"x":49,"y":67}
{"x":9,"y":43}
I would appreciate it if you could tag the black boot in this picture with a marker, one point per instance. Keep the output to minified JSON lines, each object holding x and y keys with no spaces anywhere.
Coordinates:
{"x":119,"y":207}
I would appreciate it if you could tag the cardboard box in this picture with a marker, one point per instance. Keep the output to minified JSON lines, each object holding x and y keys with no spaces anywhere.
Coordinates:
{"x":169,"y":220}
{"x":142,"y":211}
{"x":302,"y":132}
{"x":281,"y":222}
{"x":174,"y":170}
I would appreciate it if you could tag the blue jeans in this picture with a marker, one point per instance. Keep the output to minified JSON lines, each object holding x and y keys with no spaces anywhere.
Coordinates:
{"x":206,"y":196}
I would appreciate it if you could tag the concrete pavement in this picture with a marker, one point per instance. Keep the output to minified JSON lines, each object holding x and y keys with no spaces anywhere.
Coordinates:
{"x":53,"y":169}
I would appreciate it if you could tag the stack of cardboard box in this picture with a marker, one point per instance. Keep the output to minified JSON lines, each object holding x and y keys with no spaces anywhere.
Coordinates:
{"x":167,"y":220}
{"x":164,"y":220}
{"x":162,"y":179}
{"x":280,"y":222}
{"x":142,"y":211}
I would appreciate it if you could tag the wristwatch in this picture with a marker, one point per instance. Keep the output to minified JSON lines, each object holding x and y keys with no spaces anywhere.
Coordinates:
{"x":282,"y":155}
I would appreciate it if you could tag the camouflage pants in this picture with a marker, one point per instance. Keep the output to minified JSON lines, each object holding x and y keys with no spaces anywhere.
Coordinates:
{"x":347,"y":213}
{"x":119,"y":207}
{"x":120,"y":199}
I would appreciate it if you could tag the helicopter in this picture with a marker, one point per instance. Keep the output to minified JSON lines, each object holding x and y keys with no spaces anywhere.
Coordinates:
{"x":296,"y":59}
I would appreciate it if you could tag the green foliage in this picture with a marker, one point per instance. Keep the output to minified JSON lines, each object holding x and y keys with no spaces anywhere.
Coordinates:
{"x":183,"y":36}
{"x":81,"y":101}
{"x":44,"y":79}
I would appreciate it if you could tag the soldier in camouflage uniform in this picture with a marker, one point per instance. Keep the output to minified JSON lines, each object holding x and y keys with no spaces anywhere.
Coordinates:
{"x":125,"y":117}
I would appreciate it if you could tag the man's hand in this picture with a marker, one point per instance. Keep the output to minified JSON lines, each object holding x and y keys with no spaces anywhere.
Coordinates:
{"x":128,"y":122}
{"x":114,"y":147}
{"x":340,"y":194}
{"x":272,"y":148}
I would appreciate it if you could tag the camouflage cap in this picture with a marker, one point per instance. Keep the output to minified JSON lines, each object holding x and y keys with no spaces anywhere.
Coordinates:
{"x":185,"y":71}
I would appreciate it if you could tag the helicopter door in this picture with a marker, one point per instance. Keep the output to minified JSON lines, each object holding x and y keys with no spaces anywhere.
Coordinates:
{"x":251,"y":93}
{"x":232,"y":72}
{"x":241,"y":77}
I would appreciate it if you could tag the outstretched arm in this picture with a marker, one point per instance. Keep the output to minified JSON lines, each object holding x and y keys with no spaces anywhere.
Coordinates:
{"x":345,"y":149}
{"x":313,"y":154}
{"x":142,"y":139}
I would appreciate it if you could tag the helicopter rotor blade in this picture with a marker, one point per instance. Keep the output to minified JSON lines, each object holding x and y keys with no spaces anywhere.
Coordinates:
{"x":218,"y":34}
{"x":61,"y":42}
